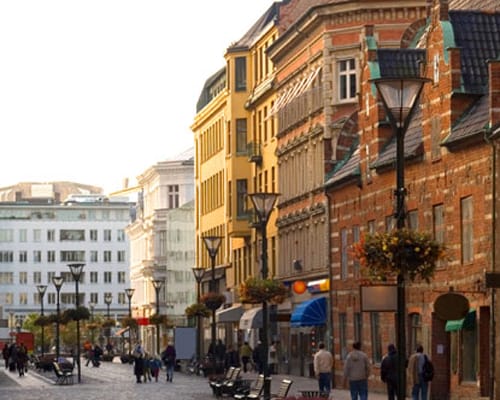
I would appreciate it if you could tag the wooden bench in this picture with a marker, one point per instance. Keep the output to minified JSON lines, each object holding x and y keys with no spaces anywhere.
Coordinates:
{"x":228,"y":387}
{"x":63,"y":377}
{"x":283,"y":389}
{"x":217,"y":381}
{"x":254,"y":392}
{"x":313,"y":394}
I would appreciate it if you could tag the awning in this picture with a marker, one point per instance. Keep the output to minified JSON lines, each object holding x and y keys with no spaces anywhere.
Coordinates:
{"x":469,"y":322}
{"x":309,"y":313}
{"x":230,"y":314}
{"x":251,"y":319}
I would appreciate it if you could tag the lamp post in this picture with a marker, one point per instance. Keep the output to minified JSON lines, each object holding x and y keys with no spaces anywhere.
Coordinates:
{"x":108,"y":298}
{"x":399,"y":96}
{"x":198,"y":275}
{"x":76,"y":270}
{"x":41,"y":291}
{"x":263,"y":204}
{"x":91,"y":308}
{"x":58,"y":282}
{"x":212,"y":244}
{"x":157,"y":284}
{"x":129,"y":292}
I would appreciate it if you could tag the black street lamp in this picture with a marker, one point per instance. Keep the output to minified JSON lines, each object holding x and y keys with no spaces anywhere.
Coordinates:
{"x":58,"y":282}
{"x":399,"y":96}
{"x":198,"y":275}
{"x":157,"y":284}
{"x":212,"y":244}
{"x":263,"y":204}
{"x":41,"y":291}
{"x":129,"y":292}
{"x":91,"y":308}
{"x":108,"y":298}
{"x":76,"y":270}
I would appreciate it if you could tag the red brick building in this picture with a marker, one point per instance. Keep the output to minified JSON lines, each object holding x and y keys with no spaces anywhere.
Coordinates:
{"x":451,"y":173}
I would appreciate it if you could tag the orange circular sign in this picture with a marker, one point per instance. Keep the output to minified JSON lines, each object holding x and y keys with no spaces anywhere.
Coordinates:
{"x":299,"y":287}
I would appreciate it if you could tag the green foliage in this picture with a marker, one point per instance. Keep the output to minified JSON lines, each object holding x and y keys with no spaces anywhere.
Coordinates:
{"x":158,"y":319}
{"x":256,"y":290}
{"x":212,"y":300}
{"x":76,"y":314}
{"x":197,"y":309}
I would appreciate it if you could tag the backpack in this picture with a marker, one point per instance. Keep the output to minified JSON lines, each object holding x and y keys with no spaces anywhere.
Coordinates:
{"x":427,"y":370}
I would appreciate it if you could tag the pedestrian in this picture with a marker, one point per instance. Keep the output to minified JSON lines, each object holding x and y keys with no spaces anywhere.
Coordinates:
{"x":138,"y":366}
{"x":147,"y":368}
{"x":220,"y":355}
{"x":273,"y":358}
{"x":168,"y":357}
{"x":97,"y":353}
{"x":245,"y":355}
{"x":231,"y":359}
{"x":389,"y":371}
{"x":257,"y":358}
{"x":356,"y":372}
{"x":323,"y":363}
{"x":155,"y":366}
{"x":415,"y":374}
{"x":21,"y":359}
{"x":5,"y":355}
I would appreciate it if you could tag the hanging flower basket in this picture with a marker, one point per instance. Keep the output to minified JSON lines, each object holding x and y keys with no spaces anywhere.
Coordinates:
{"x":76,"y":314}
{"x":213,"y":300}
{"x":129,"y":322}
{"x":197,"y":309}
{"x":108,"y":323}
{"x":42,"y":320}
{"x":255,"y":290}
{"x":92,"y":326}
{"x":413,"y":254}
{"x":54,"y":318}
{"x":158,"y":319}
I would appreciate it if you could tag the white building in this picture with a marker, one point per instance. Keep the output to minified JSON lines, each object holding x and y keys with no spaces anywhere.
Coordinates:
{"x":40,"y":236}
{"x":162,"y":240}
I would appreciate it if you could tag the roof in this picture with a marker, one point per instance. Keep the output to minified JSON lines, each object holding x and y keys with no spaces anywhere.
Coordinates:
{"x":477,"y":35}
{"x":186,"y":155}
{"x":400,"y":63}
{"x":212,"y":88}
{"x":485,"y":5}
{"x":472,"y":122}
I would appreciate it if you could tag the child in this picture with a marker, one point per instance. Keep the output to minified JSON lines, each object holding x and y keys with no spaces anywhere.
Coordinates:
{"x":155,"y":366}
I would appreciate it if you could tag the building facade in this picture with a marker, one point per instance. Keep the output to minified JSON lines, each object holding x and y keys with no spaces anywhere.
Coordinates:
{"x":41,"y":233}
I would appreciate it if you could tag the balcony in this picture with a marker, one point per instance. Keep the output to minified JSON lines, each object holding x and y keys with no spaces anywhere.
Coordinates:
{"x":254,"y":153}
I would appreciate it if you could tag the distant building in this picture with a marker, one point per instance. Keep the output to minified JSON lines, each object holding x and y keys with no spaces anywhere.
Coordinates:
{"x":41,"y":233}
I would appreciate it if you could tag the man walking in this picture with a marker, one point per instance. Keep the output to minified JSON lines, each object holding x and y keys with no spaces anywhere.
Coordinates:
{"x":389,"y":371}
{"x":415,"y":372}
{"x":356,"y":372}
{"x":323,"y":363}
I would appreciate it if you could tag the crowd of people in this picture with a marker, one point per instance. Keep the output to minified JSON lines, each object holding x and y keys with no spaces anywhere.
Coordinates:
{"x":16,"y":357}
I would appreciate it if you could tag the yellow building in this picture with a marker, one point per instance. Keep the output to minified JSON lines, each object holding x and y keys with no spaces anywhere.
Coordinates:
{"x":234,"y":155}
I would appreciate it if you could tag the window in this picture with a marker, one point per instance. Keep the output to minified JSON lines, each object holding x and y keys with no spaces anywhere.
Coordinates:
{"x":6,"y":235}
{"x":241,"y":188}
{"x":120,"y":256}
{"x":94,"y":256}
{"x":241,"y":135}
{"x":37,"y":256}
{"x":6,"y":278}
{"x":467,"y":230}
{"x":70,"y":256}
{"x":37,"y":235}
{"x":390,"y":223}
{"x":37,"y":277}
{"x":94,"y":299}
{"x":121,"y":277}
{"x":51,"y":256}
{"x":162,"y":243}
{"x":94,"y":277}
{"x":107,"y":235}
{"x":71,"y":235}
{"x":107,"y":277}
{"x":240,"y":75}
{"x":107,"y":256}
{"x":23,"y":256}
{"x":93,"y":235}
{"x":343,"y":335}
{"x":23,"y":278}
{"x":358,"y":327}
{"x":23,"y":298}
{"x":120,"y":235}
{"x":173,"y":196}
{"x":347,"y":79}
{"x":415,"y":330}
{"x":376,"y":337}
{"x":23,"y":235}
{"x":121,"y":298}
{"x":343,"y":254}
{"x":413,"y":220}
{"x":438,"y":223}
{"x":51,"y":235}
{"x":6,"y":256}
{"x":51,"y":298}
{"x":355,"y":239}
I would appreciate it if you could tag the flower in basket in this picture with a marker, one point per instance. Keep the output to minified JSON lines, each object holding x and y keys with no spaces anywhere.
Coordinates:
{"x":76,"y":314}
{"x":158,"y":319}
{"x":402,"y":251}
{"x":197,"y":309}
{"x":108,"y":323}
{"x":255,"y":290}
{"x":129,"y":322}
{"x":92,"y":326}
{"x":42,"y":320}
{"x":213,"y":300}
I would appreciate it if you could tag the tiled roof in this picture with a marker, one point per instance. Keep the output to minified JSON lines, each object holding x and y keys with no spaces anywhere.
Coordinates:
{"x":477,"y":34}
{"x":207,"y":94}
{"x":484,"y":5}
{"x":471,"y":123}
{"x":346,"y":170}
{"x":256,"y":30}
{"x":398,"y":63}
{"x":412,"y":146}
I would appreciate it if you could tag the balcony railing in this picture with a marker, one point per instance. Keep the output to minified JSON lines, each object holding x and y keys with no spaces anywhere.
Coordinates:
{"x":254,"y":152}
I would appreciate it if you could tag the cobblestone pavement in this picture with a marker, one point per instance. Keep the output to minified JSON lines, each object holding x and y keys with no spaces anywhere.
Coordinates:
{"x":113,"y":381}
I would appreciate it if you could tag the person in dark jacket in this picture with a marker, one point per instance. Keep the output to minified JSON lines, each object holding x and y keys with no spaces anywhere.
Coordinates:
{"x":389,"y":371}
{"x":232,"y":358}
{"x":168,"y":357}
{"x":257,"y":357}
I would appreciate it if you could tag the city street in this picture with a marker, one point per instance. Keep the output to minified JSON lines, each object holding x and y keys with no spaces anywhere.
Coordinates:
{"x":115,"y":380}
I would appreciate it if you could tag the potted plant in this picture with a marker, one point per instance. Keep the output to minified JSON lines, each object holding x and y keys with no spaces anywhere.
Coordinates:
{"x":213,"y":300}
{"x":255,"y":290}
{"x":402,"y":251}
{"x":158,"y":319}
{"x":197,"y":309}
{"x":129,"y":322}
{"x":76,"y":314}
{"x":108,"y":323}
{"x":42,"y":320}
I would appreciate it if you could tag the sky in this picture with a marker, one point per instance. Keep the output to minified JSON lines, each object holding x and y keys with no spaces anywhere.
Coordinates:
{"x":96,"y":91}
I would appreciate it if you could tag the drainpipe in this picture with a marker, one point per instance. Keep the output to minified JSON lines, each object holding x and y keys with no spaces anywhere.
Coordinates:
{"x":331,"y":345}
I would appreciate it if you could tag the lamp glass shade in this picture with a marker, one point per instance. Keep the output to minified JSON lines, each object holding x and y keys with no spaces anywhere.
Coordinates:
{"x":129,"y":292}
{"x":57,"y":281}
{"x":108,"y":298}
{"x":157,"y":283}
{"x":41,"y":289}
{"x":76,"y":270}
{"x":198,"y":273}
{"x":263,"y":203}
{"x":399,"y":96}
{"x":212,"y":243}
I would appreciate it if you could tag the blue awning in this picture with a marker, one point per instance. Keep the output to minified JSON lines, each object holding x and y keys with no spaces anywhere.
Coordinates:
{"x":309,"y":313}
